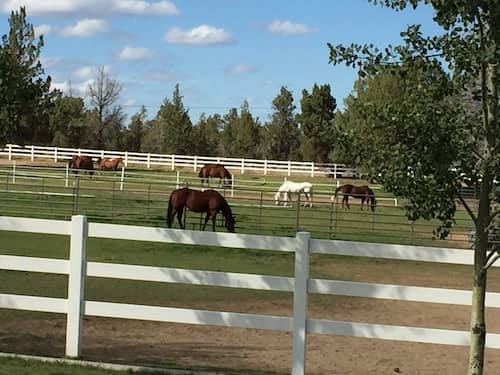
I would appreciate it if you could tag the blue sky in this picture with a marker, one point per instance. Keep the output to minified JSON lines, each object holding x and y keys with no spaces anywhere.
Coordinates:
{"x":221,"y":52}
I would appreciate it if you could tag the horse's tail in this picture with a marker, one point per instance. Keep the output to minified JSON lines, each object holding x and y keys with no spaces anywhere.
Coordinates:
{"x":337,"y":190}
{"x":169,"y":212}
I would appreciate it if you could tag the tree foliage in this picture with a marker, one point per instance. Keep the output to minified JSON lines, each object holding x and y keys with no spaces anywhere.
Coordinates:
{"x":25,"y":95}
{"x":427,"y":145}
{"x":281,"y":139}
{"x":171,"y":130}
{"x":316,"y":123}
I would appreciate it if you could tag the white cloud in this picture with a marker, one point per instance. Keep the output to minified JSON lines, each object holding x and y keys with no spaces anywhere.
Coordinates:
{"x":89,"y":8}
{"x":289,"y":28}
{"x":146,"y":8}
{"x":73,"y":88}
{"x":238,"y":69}
{"x":135,"y":53}
{"x":88,"y":72}
{"x":49,"y":62}
{"x":43,"y":29}
{"x":203,"y":34}
{"x":85,"y":28}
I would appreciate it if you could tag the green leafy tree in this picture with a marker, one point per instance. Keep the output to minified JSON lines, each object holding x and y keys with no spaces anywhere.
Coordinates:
{"x":135,"y":132}
{"x":25,"y":95}
{"x":172,"y":127}
{"x":428,"y":164}
{"x":282,"y":133}
{"x":316,"y":123}
{"x":207,"y":135}
{"x":67,"y":122}
{"x":228,"y":134}
{"x":246,"y":134}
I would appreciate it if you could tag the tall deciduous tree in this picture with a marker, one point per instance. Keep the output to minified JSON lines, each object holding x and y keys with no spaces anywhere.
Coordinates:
{"x":316,"y":123}
{"x":107,"y":114}
{"x":25,"y":95}
{"x":437,"y":160}
{"x":282,"y":134}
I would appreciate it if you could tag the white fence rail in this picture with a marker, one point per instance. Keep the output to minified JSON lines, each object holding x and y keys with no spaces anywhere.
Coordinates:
{"x":173,"y":161}
{"x":301,"y":284}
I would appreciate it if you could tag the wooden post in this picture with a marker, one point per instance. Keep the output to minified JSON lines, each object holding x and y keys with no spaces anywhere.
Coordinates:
{"x":300,"y":302}
{"x":79,"y":232}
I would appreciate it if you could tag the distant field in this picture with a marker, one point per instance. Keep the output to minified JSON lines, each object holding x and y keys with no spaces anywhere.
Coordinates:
{"x":140,"y":198}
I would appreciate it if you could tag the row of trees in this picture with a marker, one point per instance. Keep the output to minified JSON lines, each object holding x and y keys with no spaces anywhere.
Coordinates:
{"x":31,"y":112}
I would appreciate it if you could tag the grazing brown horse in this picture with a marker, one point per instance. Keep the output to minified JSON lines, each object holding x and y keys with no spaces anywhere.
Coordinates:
{"x":110,"y":164}
{"x":363,"y":192}
{"x":214,"y":170}
{"x":208,"y":201}
{"x":82,"y":162}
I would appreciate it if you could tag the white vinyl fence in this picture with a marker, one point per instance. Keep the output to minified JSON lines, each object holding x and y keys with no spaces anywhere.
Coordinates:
{"x":182,"y":161}
{"x":300,"y":285}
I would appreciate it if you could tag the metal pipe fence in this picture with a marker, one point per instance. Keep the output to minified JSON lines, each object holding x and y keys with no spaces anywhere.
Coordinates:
{"x":43,"y":193}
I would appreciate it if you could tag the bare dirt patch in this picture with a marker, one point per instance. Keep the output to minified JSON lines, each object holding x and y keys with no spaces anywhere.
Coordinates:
{"x":254,"y":351}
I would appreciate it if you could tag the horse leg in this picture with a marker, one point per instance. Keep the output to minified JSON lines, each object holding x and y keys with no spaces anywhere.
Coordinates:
{"x":206,"y":221}
{"x":346,"y":199}
{"x":179,"y":217}
{"x":214,"y":216}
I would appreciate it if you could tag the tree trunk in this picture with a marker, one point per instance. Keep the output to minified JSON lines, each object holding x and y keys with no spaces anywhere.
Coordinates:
{"x":477,"y":323}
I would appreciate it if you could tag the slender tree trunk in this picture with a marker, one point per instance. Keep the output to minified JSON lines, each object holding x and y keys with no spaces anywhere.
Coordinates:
{"x":477,"y":323}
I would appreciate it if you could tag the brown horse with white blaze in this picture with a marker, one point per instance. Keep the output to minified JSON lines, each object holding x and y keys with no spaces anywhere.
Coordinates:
{"x":362,"y":192}
{"x":208,"y":201}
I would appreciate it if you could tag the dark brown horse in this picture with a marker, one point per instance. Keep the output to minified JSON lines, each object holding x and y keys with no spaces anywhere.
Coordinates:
{"x":82,"y":162}
{"x":208,"y":201}
{"x":362,"y":192}
{"x":214,"y":170}
{"x":109,"y":164}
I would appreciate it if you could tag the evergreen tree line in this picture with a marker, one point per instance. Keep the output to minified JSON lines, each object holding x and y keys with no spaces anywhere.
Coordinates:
{"x":32,"y":112}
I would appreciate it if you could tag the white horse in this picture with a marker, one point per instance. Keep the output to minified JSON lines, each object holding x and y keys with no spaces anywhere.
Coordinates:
{"x":288,"y":188}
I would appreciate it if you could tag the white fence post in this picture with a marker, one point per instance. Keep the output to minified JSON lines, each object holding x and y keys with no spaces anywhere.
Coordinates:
{"x":77,"y":270}
{"x":10,"y":151}
{"x":122,"y":178}
{"x":289,"y":167}
{"x":32,"y":153}
{"x":172,"y":162}
{"x":126,"y":158}
{"x":55,"y":154}
{"x":195,"y":163}
{"x":300,"y":303}
{"x":67,"y":174}
{"x":14,"y":172}
{"x":232,"y":186}
{"x":242,"y":170}
{"x":265,"y":167}
{"x":148,"y":162}
{"x":312,"y":169}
